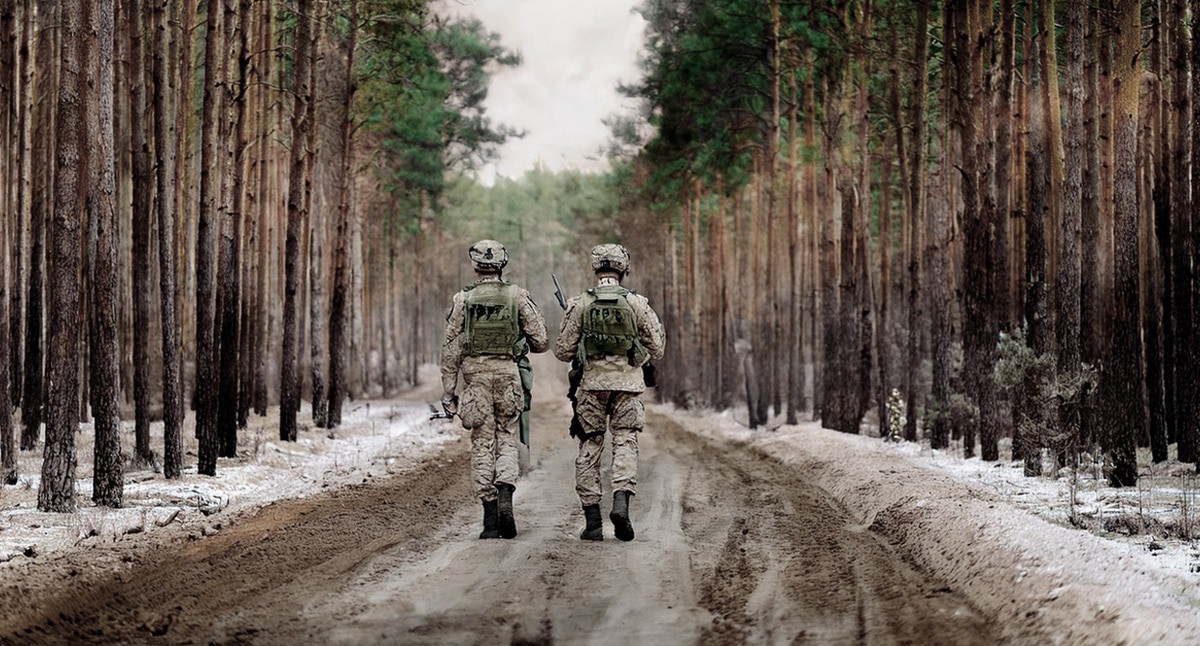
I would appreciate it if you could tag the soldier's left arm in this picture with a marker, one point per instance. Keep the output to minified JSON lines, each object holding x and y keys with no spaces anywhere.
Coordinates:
{"x":650,"y":329}
{"x":533,"y":324}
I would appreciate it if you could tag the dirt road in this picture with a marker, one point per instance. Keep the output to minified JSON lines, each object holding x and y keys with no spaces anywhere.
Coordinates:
{"x":731,"y":547}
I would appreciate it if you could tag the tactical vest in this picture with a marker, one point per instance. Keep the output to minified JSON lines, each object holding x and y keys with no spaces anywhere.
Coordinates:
{"x":609,"y":326}
{"x":493,"y":325}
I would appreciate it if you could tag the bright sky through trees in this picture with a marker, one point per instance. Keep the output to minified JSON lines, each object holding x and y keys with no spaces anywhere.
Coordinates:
{"x":575,"y":53}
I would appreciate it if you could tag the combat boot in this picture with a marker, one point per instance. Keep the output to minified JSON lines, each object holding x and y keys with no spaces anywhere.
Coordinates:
{"x":489,"y":520}
{"x":504,"y":511}
{"x":620,"y":515}
{"x":595,"y":527}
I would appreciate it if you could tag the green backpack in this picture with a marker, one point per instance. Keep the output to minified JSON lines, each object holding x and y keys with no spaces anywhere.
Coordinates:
{"x":610,"y":326}
{"x":493,"y":325}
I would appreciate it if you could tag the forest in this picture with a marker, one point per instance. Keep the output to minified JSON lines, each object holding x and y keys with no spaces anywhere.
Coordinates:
{"x":209,"y":208}
{"x":983,"y":205}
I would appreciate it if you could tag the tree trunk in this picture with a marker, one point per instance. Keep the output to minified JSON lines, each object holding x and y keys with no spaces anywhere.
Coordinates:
{"x":8,"y":457}
{"x":795,"y":370}
{"x":1069,"y":264}
{"x":1190,"y":437}
{"x":206,"y":386}
{"x":142,"y":230}
{"x":1090,"y":279}
{"x":1054,"y":133}
{"x":1162,"y":354}
{"x":266,"y":217}
{"x":916,"y":201}
{"x":976,"y":306}
{"x":341,"y":279}
{"x":832,"y":376}
{"x":108,"y":466}
{"x":229,"y":300}
{"x":847,"y":392}
{"x":299,"y":183}
{"x":57,"y":490}
{"x":33,"y":399}
{"x":1036,"y":312}
{"x":1186,"y":239}
{"x":164,"y":150}
{"x":1123,"y":373}
{"x":21,"y":189}
{"x":1001,"y":270}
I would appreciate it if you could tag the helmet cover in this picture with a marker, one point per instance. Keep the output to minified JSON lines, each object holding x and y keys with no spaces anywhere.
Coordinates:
{"x":610,"y":257}
{"x":488,"y":255}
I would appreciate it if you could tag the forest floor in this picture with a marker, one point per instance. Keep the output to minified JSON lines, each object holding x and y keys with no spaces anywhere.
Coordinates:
{"x":791,"y":535}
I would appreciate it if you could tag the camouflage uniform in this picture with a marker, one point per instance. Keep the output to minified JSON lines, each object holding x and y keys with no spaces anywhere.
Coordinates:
{"x":608,"y":393}
{"x":492,"y":398}
{"x":491,"y":326}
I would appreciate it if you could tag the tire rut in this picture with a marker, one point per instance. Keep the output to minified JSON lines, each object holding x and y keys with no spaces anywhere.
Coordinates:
{"x":794,"y":568}
{"x":212,"y":589}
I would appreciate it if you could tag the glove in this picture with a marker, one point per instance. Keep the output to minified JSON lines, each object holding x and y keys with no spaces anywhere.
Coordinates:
{"x":450,"y":404}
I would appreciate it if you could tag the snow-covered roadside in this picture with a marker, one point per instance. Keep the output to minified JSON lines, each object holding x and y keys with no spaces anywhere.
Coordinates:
{"x":1001,"y":539}
{"x":377,"y":438}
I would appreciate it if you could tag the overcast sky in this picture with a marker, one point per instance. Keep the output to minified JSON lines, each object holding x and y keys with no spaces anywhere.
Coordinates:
{"x":575,"y":53}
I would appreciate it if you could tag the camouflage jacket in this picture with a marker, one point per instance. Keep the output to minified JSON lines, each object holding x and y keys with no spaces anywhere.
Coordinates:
{"x":612,"y":372}
{"x":454,"y":359}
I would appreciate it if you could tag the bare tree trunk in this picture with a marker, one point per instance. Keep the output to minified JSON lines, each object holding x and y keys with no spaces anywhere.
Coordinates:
{"x":795,"y":370}
{"x":976,"y":308}
{"x":299,"y":183}
{"x":266,"y":216}
{"x":229,"y":299}
{"x":1090,"y":281}
{"x":8,"y":457}
{"x":142,"y":230}
{"x":1036,"y":312}
{"x":1161,"y":347}
{"x":206,"y":386}
{"x":108,"y":466}
{"x":22,"y":98}
{"x":57,"y":490}
{"x":831,"y":366}
{"x":916,"y":202}
{"x":1186,"y":238}
{"x":1001,"y":273}
{"x":1189,"y":438}
{"x":1069,"y":263}
{"x":33,"y":399}
{"x":1123,"y":373}
{"x":317,"y":227}
{"x":165,"y":150}
{"x":1054,"y":133}
{"x":254,"y":89}
{"x":341,"y":279}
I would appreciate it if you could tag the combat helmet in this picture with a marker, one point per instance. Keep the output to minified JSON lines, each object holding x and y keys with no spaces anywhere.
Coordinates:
{"x":488,"y":255}
{"x":610,"y":257}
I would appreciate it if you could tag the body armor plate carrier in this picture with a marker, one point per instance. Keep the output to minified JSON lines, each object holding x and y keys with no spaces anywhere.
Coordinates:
{"x":492,"y":321}
{"x":609,"y":326}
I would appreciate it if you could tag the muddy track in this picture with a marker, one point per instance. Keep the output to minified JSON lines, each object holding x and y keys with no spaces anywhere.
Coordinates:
{"x":732,"y":548}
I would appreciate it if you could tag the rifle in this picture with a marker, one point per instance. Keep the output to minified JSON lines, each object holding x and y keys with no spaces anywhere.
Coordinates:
{"x":434,"y":413}
{"x":562,"y":302}
{"x":574,"y":376}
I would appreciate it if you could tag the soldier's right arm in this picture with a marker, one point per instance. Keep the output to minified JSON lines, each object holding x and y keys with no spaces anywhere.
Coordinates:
{"x":567,"y":344}
{"x":452,"y":344}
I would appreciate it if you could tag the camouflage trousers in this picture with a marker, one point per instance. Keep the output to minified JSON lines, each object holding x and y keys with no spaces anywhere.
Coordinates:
{"x":622,"y":415}
{"x":489,"y":408}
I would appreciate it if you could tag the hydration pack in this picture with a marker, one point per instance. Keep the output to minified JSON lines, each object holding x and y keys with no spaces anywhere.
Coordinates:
{"x":610,"y":326}
{"x":493,"y":324}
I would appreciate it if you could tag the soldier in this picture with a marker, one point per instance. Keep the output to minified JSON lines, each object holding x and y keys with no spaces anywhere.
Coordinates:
{"x":491,"y":325}
{"x":611,"y":333}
